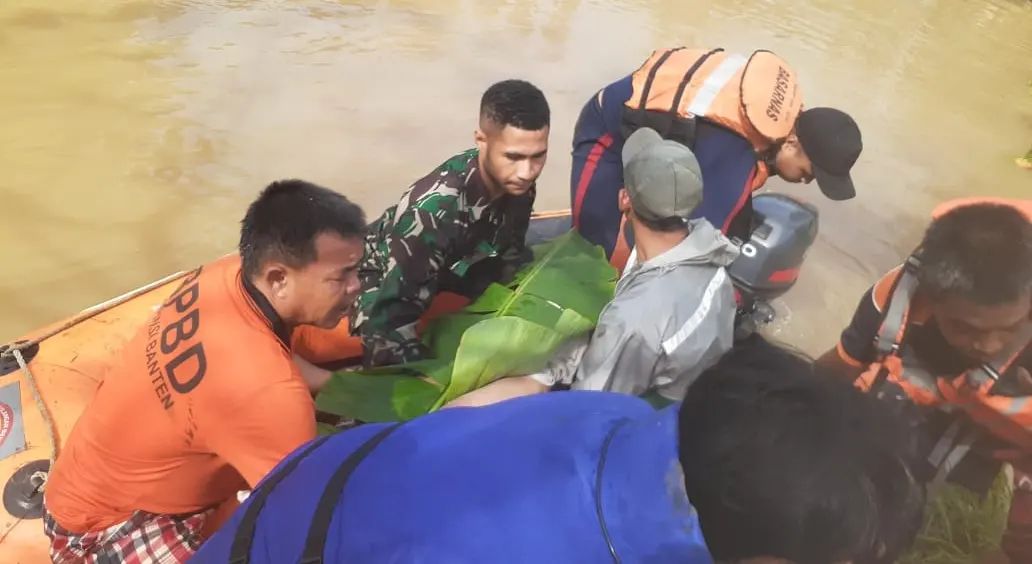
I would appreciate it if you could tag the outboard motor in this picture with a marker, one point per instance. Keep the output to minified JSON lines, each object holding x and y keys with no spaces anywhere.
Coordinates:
{"x":768,"y":266}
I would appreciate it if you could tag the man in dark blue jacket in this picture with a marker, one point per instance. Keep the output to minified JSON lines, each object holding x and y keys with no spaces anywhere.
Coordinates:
{"x":823,"y":146}
{"x":762,"y":462}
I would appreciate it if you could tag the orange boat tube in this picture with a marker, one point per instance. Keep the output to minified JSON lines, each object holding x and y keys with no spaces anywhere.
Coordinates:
{"x":46,"y":379}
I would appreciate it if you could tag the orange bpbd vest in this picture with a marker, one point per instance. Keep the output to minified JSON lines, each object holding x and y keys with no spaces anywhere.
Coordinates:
{"x":757,"y":97}
{"x":898,"y":375}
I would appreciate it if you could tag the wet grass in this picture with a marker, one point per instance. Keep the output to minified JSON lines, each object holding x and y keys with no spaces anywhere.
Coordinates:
{"x":961,"y":528}
{"x":1026,"y":161}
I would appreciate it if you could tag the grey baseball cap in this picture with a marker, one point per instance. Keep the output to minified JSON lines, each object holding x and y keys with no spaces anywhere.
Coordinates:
{"x":662,"y":177}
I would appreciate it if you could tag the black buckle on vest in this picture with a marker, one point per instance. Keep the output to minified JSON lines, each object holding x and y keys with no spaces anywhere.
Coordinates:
{"x":884,"y":352}
{"x":913,"y":261}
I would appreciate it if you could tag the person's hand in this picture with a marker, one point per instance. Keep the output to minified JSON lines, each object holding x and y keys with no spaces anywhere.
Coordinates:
{"x":1016,"y":382}
{"x":469,"y":399}
{"x":314,"y":376}
{"x":499,"y":390}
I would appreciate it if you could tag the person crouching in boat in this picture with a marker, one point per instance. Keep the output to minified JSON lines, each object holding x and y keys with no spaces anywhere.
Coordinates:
{"x":207,"y":397}
{"x":453,"y":233}
{"x":742,"y":117}
{"x":945,"y":338}
{"x":673,"y":313}
{"x":762,"y":462}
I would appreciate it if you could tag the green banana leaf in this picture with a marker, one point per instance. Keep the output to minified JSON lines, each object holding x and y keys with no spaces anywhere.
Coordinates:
{"x":1026,"y":161}
{"x":510,"y":329}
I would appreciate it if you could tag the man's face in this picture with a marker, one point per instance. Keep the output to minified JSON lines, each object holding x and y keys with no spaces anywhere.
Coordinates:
{"x":792,"y":164}
{"x":322,"y":292}
{"x":981,"y":332}
{"x":512,"y":158}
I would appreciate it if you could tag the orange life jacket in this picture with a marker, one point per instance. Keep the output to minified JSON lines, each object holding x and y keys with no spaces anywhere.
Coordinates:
{"x":972,"y":392}
{"x":757,"y":97}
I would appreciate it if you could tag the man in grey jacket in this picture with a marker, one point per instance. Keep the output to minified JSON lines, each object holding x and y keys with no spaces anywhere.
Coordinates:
{"x":674,"y":309}
{"x":673,"y":313}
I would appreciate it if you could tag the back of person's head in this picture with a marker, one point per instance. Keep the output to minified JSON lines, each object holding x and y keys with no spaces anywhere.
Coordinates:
{"x":981,"y":253}
{"x":782,"y":463}
{"x":663,"y":182}
{"x":515,"y":103}
{"x":283,"y":222}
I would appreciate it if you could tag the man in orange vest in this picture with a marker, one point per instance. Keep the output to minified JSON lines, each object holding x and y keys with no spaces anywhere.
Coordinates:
{"x":946,"y":338}
{"x":208,"y":396}
{"x":740,"y":115}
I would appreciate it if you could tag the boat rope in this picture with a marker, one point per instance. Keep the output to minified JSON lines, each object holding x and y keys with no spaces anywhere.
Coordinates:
{"x":39,"y":479}
{"x":91,"y":312}
{"x":14,"y":350}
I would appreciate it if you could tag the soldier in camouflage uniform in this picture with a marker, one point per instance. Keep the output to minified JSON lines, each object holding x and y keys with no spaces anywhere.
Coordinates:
{"x":458,"y":229}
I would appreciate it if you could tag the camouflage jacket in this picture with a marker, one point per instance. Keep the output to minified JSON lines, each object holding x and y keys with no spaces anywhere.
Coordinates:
{"x":444,"y":235}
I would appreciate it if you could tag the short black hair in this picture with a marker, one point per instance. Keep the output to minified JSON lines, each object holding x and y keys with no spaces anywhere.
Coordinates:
{"x":980,"y":252}
{"x":283,"y":222}
{"x":517,"y":103}
{"x":782,"y":462}
{"x":664,"y":225}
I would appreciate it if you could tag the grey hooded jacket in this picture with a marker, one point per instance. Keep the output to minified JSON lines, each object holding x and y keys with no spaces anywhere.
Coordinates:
{"x":671,"y":318}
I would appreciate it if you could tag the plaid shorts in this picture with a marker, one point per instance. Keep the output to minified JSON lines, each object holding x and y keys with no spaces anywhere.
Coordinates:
{"x":144,"y":538}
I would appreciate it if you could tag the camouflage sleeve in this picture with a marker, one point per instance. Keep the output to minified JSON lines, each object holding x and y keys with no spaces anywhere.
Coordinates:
{"x":414,"y":252}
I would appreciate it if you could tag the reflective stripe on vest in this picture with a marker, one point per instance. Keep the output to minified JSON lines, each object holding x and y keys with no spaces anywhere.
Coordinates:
{"x":950,"y":450}
{"x":757,"y":97}
{"x":889,"y":343}
{"x":714,"y":83}
{"x":976,"y":392}
{"x":890,"y":334}
{"x":1004,"y":416}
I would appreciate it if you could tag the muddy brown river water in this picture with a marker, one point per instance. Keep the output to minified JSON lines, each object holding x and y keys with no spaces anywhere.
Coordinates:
{"x":133,"y":134}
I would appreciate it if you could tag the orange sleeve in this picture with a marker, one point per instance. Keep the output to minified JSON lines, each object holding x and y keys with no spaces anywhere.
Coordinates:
{"x":883,"y":288}
{"x":320,"y":346}
{"x":263,"y":428}
{"x":846,"y":357}
{"x":1007,"y":417}
{"x":855,"y":346}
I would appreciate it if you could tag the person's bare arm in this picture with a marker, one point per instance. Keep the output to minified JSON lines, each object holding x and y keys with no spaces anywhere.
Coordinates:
{"x":855,"y":350}
{"x":314,"y":376}
{"x":499,"y":390}
{"x":559,"y":370}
